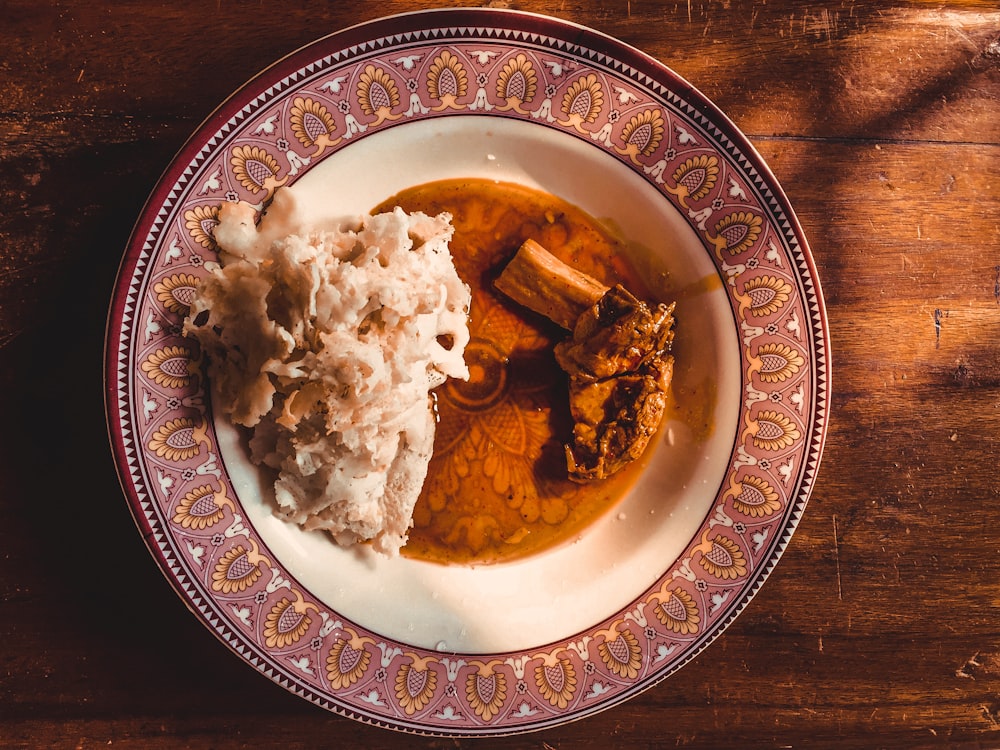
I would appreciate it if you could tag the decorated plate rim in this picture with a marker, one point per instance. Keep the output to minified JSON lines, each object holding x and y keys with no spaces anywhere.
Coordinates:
{"x":411,"y":689}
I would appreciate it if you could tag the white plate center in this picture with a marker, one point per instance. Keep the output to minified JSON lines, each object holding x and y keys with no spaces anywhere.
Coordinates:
{"x":552,"y":595}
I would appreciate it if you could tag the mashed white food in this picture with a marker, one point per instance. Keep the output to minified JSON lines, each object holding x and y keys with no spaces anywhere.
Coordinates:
{"x":327,"y":341}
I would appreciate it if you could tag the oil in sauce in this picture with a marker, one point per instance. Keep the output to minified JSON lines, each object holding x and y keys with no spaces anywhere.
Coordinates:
{"x":497,"y":486}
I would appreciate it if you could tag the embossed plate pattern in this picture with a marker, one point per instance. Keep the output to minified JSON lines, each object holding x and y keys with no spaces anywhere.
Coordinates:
{"x":450,"y":64}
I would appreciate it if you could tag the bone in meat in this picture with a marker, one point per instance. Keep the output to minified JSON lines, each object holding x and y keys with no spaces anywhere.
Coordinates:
{"x":618,"y":358}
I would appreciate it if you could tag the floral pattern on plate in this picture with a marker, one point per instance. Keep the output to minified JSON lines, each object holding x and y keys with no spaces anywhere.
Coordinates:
{"x":449,"y":64}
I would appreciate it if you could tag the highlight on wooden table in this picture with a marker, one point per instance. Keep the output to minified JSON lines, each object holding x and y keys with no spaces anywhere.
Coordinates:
{"x":716,"y":467}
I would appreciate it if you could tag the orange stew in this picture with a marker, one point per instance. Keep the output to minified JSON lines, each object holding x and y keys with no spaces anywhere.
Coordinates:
{"x":497,"y":488}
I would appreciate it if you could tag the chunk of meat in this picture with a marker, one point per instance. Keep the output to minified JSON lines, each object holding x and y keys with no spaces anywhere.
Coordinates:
{"x":619,"y":367}
{"x":618,"y":358}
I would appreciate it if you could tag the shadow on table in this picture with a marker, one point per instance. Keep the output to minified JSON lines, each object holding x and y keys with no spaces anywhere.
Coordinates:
{"x":82,"y":578}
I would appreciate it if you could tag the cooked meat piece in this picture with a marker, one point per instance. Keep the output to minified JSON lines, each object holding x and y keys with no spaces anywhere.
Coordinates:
{"x":619,"y":367}
{"x":618,"y":358}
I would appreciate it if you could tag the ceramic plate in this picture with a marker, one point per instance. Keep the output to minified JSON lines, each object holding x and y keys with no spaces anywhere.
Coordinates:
{"x":519,"y":646}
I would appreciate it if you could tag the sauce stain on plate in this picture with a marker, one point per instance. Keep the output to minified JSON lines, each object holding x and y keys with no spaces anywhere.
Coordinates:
{"x":497,"y":487}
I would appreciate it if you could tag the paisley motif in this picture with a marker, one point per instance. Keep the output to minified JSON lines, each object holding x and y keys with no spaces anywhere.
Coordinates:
{"x":766,"y":295}
{"x":312,"y":124}
{"x":738,"y":231}
{"x":622,"y":655}
{"x":175,"y":292}
{"x":556,"y":681}
{"x":486,"y":691}
{"x":697,"y":175}
{"x":235,"y":572}
{"x":378,"y":94}
{"x":286,"y":623}
{"x":447,"y":80}
{"x":756,"y":498}
{"x":255,"y":169}
{"x":582,"y":102}
{"x":773,"y":431}
{"x":517,"y":83}
{"x":201,"y":507}
{"x":777,"y":362}
{"x":347,"y":660}
{"x":169,"y":367}
{"x":722,"y":557}
{"x":201,"y":222}
{"x":678,"y":611}
{"x":642,"y":134}
{"x":415,"y":685}
{"x":179,"y":439}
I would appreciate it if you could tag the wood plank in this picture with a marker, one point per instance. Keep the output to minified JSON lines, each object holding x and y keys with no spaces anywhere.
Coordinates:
{"x":915,"y":70}
{"x":877,"y":628}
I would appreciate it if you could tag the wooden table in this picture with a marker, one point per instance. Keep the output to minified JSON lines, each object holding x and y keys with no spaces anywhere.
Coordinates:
{"x":879,"y":626}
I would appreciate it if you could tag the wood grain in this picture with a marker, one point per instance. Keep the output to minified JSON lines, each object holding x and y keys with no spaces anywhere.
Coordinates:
{"x":879,"y":627}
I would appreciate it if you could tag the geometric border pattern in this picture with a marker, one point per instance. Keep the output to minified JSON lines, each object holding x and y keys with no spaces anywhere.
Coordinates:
{"x":382,"y":75}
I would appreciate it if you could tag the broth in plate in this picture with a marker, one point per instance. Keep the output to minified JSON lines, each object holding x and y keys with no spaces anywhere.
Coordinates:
{"x":497,"y":487}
